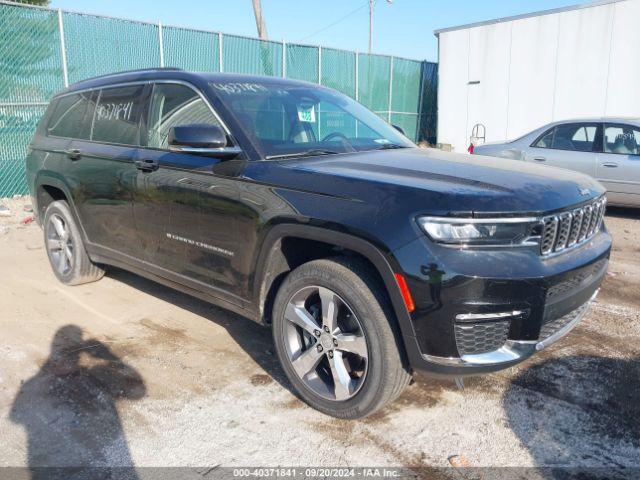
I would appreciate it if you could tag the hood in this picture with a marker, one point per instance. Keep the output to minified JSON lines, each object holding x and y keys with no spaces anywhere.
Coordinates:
{"x":471,"y":183}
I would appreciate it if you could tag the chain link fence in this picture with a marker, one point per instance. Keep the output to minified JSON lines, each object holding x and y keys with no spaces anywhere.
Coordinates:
{"x":44,"y":50}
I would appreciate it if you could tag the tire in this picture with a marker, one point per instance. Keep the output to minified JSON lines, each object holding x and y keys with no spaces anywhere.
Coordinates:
{"x":65,"y":248}
{"x":376,"y":376}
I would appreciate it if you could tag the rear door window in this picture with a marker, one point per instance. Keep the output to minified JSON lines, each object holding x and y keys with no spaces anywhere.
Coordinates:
{"x":577,"y":137}
{"x":72,"y":115}
{"x":117,"y":117}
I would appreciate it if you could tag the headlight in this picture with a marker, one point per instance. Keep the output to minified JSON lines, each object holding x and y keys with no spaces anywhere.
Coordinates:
{"x":480,"y":231}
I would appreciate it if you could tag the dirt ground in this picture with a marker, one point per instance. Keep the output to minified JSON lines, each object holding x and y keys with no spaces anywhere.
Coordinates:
{"x":127,"y":372}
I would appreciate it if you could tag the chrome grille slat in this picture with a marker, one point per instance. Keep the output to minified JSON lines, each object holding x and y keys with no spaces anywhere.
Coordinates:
{"x":564,"y":228}
{"x":549,"y":235}
{"x":586,"y":222}
{"x":567,"y":229}
{"x":575,"y":227}
{"x":602,"y":209}
{"x":594,"y":218}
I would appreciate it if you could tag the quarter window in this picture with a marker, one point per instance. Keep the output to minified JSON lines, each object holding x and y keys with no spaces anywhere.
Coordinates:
{"x":173,"y":105}
{"x":72,"y":116}
{"x":117,"y":117}
{"x":622,"y":139}
{"x":546,"y":140}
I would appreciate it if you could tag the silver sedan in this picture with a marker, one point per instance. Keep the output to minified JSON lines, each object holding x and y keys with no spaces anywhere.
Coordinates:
{"x":608,"y":149}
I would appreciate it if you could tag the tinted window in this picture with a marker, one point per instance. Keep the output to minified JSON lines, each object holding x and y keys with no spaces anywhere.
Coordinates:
{"x":72,"y":116}
{"x":622,"y":139}
{"x":118,"y":114}
{"x":546,"y":140}
{"x":173,"y":105}
{"x":577,"y":137}
{"x":586,"y":133}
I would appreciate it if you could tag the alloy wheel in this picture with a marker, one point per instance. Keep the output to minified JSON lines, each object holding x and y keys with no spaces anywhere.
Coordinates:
{"x":60,"y":244}
{"x":325,"y":343}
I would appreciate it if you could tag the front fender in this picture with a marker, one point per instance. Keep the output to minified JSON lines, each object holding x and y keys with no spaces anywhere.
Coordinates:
{"x":383,"y":262}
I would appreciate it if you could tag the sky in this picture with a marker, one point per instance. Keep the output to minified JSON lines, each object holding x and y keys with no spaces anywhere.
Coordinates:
{"x":403,"y":28}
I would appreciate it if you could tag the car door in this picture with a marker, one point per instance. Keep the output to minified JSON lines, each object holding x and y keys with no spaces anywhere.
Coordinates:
{"x":618,"y":166}
{"x":97,"y":164}
{"x":187,"y":214}
{"x":573,"y":146}
{"x":101,"y":173}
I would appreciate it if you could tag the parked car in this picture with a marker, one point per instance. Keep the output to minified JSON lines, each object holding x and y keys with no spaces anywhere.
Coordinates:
{"x":607,"y":149}
{"x":295,"y":206}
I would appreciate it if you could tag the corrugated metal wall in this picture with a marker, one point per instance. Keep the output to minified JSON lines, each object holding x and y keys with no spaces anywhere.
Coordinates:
{"x":538,"y":69}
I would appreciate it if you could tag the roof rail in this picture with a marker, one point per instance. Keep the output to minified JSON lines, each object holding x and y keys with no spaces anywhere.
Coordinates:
{"x":136,"y":70}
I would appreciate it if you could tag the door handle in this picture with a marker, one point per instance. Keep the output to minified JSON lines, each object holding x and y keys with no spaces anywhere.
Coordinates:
{"x":147,"y":165}
{"x":610,"y":165}
{"x":74,"y":153}
{"x":540,"y":159}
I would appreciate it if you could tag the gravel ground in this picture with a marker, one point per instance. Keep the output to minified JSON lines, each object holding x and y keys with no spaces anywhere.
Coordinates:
{"x":127,"y":372}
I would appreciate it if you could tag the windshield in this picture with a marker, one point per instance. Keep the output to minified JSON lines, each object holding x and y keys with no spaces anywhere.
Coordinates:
{"x":292,"y":120}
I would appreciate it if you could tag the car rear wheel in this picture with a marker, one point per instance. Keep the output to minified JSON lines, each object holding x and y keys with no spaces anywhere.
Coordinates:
{"x":65,"y":249}
{"x":337,"y":338}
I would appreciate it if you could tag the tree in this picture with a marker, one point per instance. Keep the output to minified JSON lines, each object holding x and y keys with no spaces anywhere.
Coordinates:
{"x":42,"y":3}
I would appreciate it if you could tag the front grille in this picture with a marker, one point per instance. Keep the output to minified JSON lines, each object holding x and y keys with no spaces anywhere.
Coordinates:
{"x":475,"y":338}
{"x":551,"y":327}
{"x":567,"y":229}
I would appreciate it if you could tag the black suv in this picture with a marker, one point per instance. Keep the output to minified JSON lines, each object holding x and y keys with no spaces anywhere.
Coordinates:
{"x":295,"y":206}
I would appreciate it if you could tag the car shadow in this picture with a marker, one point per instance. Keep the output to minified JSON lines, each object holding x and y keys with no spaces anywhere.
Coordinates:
{"x":623,"y":212}
{"x":578,"y":410}
{"x":253,"y":338}
{"x":69,"y":410}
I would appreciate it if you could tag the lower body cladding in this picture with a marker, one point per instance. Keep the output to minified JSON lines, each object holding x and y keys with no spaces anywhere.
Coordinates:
{"x":468,"y":324}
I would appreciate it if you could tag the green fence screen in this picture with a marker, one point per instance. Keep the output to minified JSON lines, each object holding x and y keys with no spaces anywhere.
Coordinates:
{"x":203,"y":48}
{"x":44,"y":50}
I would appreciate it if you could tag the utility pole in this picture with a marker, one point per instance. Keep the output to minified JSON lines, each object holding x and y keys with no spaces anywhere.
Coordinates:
{"x":371,"y":5}
{"x":262,"y":29}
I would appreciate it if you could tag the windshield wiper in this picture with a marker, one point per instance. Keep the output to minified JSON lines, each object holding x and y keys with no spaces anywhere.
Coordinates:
{"x":390,"y":146}
{"x":307,"y":153}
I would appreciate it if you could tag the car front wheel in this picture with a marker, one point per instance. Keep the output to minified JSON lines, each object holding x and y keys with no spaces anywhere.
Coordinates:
{"x":337,"y":338}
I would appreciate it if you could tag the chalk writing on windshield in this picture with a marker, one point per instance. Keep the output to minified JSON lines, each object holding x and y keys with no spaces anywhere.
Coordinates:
{"x":239,"y":87}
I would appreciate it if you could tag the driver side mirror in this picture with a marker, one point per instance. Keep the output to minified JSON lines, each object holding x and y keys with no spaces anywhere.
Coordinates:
{"x":201,"y":139}
{"x":400,"y":129}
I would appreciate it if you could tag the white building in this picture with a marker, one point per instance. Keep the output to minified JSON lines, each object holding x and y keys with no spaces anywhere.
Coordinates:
{"x":515,"y":74}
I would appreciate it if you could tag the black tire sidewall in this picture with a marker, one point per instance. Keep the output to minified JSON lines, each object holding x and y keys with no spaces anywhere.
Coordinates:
{"x":369,"y":315}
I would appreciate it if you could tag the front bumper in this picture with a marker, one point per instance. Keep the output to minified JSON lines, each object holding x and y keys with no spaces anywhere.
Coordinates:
{"x":512,"y":351}
{"x":466,"y":324}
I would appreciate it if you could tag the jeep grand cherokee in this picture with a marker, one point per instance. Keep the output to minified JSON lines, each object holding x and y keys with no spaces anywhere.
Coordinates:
{"x":295,"y":206}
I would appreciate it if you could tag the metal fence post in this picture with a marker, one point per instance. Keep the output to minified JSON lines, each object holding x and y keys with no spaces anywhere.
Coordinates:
{"x":220,"y":64}
{"x":420,"y":100}
{"x":284,"y":58}
{"x":390,"y":87}
{"x":357,"y":76}
{"x":63,"y":50}
{"x":319,"y":65}
{"x":357,"y":84}
{"x":161,"y":44}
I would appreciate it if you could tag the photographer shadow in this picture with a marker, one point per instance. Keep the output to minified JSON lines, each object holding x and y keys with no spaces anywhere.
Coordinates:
{"x":68,"y":410}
